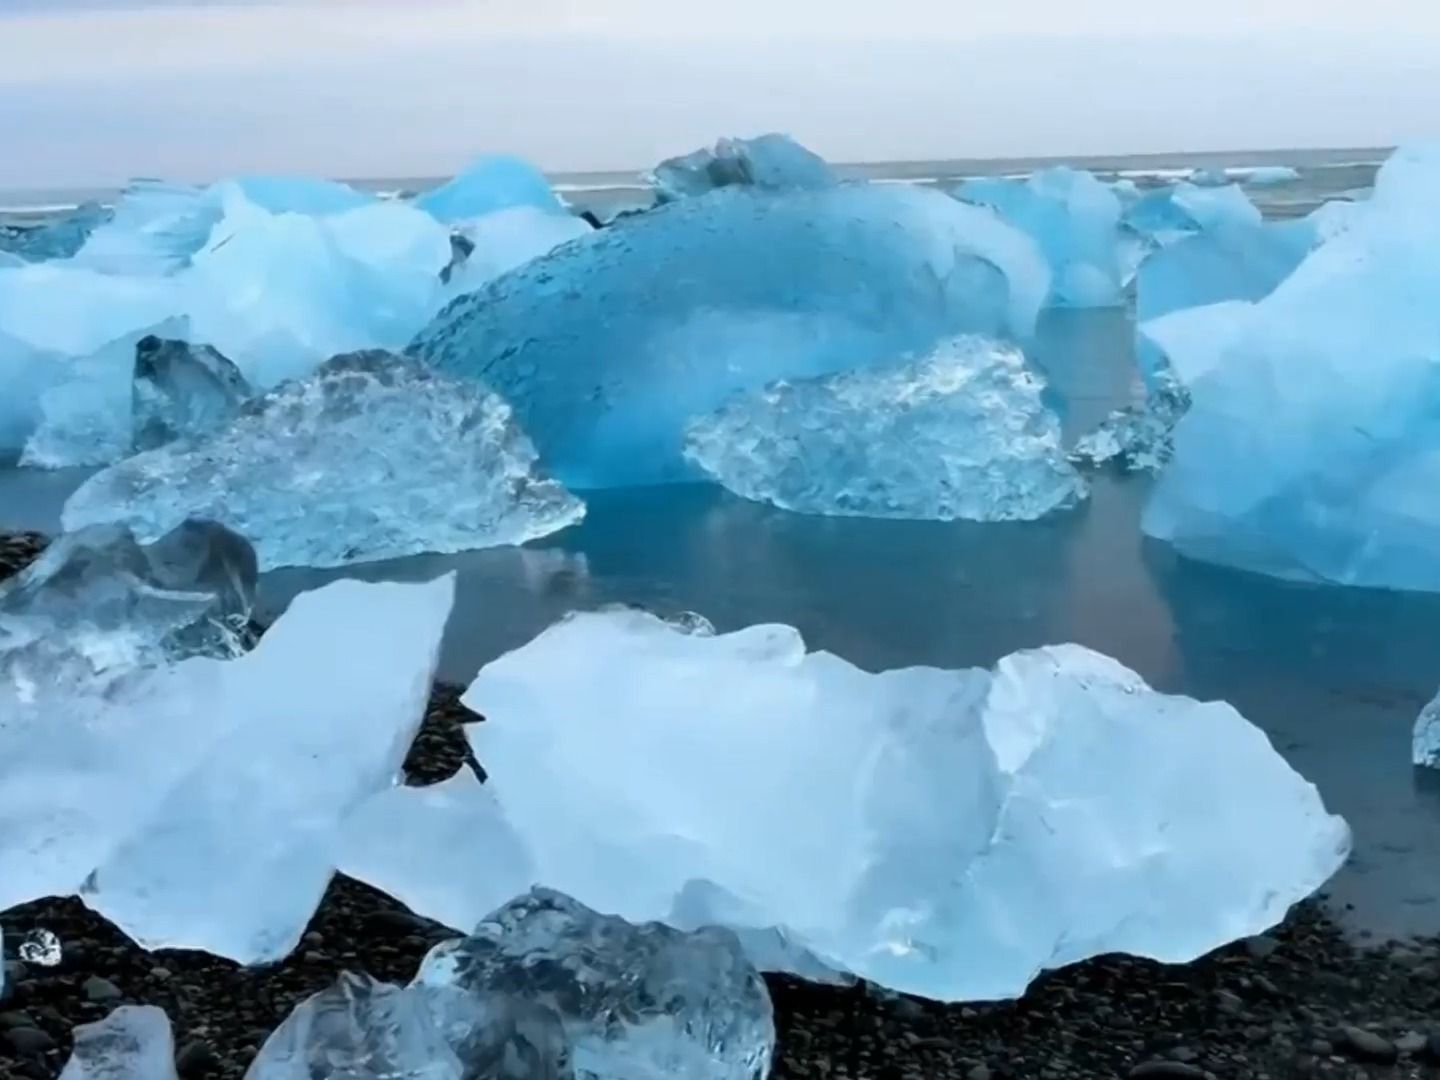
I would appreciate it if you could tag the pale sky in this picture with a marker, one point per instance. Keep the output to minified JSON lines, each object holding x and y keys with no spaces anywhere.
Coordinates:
{"x":96,"y":91}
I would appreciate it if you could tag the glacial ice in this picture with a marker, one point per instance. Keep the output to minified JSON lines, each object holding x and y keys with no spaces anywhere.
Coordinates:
{"x":643,"y":1002}
{"x":1227,"y":262}
{"x":56,"y":239}
{"x":1426,"y":742}
{"x":1310,"y":449}
{"x":771,"y":162}
{"x":42,"y":948}
{"x":1190,"y":342}
{"x":373,"y":457}
{"x":493,"y":182}
{"x":1139,"y":437}
{"x":182,"y":390}
{"x":97,"y":603}
{"x":1209,"y":178}
{"x":944,"y":833}
{"x":1074,"y":220}
{"x":1267,"y":175}
{"x":960,"y":433}
{"x":505,"y":239}
{"x":1172,"y":213}
{"x":445,"y":850}
{"x":133,"y":1043}
{"x":155,"y":229}
{"x":607,"y":346}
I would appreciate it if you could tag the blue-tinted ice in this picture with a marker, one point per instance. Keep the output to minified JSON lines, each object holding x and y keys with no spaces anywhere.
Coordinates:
{"x":773,"y":162}
{"x":182,"y":390}
{"x":493,"y":182}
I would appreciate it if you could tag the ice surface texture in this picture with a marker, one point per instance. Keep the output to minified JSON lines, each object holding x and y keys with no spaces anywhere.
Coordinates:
{"x":1312,"y":448}
{"x":961,"y":433}
{"x":219,"y":835}
{"x":98,"y":603}
{"x":773,"y":162}
{"x":1427,"y":735}
{"x":133,"y":1043}
{"x":1074,"y":219}
{"x":493,"y":182}
{"x":57,"y":239}
{"x":182,"y":389}
{"x":609,"y":345}
{"x":641,"y":1002}
{"x":1137,"y":438}
{"x":374,"y":456}
{"x":945,"y":833}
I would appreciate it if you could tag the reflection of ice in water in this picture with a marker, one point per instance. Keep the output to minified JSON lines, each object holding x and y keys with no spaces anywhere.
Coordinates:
{"x":41,"y":948}
{"x":1427,"y":735}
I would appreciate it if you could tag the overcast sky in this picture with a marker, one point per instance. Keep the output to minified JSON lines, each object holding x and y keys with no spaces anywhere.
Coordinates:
{"x":95,"y":91}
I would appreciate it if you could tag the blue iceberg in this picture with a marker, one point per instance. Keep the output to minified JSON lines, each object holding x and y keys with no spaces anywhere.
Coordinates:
{"x":182,"y":390}
{"x":1172,"y":213}
{"x":1227,"y":262}
{"x":494,"y":182}
{"x":608,"y":346}
{"x":773,"y":162}
{"x":1267,"y":175}
{"x":1312,"y":447}
{"x":961,"y":433}
{"x":1074,"y":219}
{"x":57,"y":239}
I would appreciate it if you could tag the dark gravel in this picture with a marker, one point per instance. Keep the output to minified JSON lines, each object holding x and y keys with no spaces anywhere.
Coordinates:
{"x":1303,"y":1001}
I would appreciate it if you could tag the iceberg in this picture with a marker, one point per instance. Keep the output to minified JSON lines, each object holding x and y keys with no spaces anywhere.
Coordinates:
{"x":1267,"y":175}
{"x":961,"y":433}
{"x":1227,"y":262}
{"x":97,"y":602}
{"x":608,"y":346}
{"x":182,"y":390}
{"x":60,"y":238}
{"x":641,"y":1002}
{"x":1311,"y":444}
{"x":133,"y":1043}
{"x":238,"y":839}
{"x":154,"y":231}
{"x":493,"y":182}
{"x":943,"y":833}
{"x":1171,"y":213}
{"x":445,"y":850}
{"x":1426,"y":742}
{"x":772,"y":162}
{"x":1074,"y":220}
{"x":1209,"y":178}
{"x":373,"y":457}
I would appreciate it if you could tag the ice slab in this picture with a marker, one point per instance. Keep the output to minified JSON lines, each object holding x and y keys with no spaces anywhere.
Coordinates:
{"x":1267,"y":175}
{"x":372,"y":457}
{"x":643,"y":1002}
{"x":505,"y":239}
{"x":1227,"y":262}
{"x":445,"y":850}
{"x":59,"y":238}
{"x":943,"y":833}
{"x":239,"y":839}
{"x":773,"y":162}
{"x":1179,"y":210}
{"x":156,"y":228}
{"x":609,"y":345}
{"x":961,"y":433}
{"x":182,"y":390}
{"x":493,"y":182}
{"x":1426,"y":744}
{"x":133,"y":1043}
{"x":1310,"y":444}
{"x":96,"y":602}
{"x":1074,"y":219}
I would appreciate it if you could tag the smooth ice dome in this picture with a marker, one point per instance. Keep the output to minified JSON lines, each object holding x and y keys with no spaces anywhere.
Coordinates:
{"x":1074,"y":219}
{"x":773,"y":162}
{"x":1311,"y":447}
{"x":608,"y":346}
{"x":961,"y":433}
{"x":493,"y":182}
{"x":643,"y":1002}
{"x":182,"y":390}
{"x":1427,"y":735}
{"x":944,"y":833}
{"x":374,"y":456}
{"x":133,"y":1043}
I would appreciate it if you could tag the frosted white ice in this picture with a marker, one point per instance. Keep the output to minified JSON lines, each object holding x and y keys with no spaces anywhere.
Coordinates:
{"x":133,"y":1043}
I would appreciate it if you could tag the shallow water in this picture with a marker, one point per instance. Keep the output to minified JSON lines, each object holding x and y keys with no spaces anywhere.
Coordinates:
{"x":1335,"y":676}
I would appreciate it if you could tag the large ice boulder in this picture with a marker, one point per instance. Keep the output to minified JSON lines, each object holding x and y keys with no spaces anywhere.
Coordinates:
{"x":155,"y":229}
{"x":1074,"y":219}
{"x":609,"y":345}
{"x":774,"y":162}
{"x":374,"y":456}
{"x":1227,"y":262}
{"x":182,"y":390}
{"x":944,"y":833}
{"x":492,"y":182}
{"x":1179,"y":210}
{"x":133,"y":1043}
{"x":1312,"y":446}
{"x":643,"y":1002}
{"x":960,"y":433}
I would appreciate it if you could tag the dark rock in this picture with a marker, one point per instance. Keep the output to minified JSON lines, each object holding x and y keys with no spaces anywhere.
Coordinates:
{"x":1166,"y":1070}
{"x":10,"y":1020}
{"x":101,"y":990}
{"x":1412,"y":1042}
{"x":1261,"y":946}
{"x":196,"y":1058}
{"x":1367,"y":1045}
{"x":1432,"y":1045}
{"x":29,"y":1041}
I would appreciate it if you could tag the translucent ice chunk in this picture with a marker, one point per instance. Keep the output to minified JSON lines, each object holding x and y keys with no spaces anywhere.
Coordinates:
{"x":1427,"y":735}
{"x":944,"y":833}
{"x":638,"y":1002}
{"x":609,"y":345}
{"x":1137,"y":438}
{"x":41,"y":948}
{"x":372,"y":457}
{"x":501,"y":241}
{"x":494,"y":182}
{"x":1268,"y":175}
{"x":239,"y":837}
{"x":960,"y":434}
{"x":1227,"y":262}
{"x":1074,"y":219}
{"x":773,"y":162}
{"x":56,"y":239}
{"x":155,"y":230}
{"x":445,"y":851}
{"x":133,"y":1043}
{"x":182,"y":390}
{"x":1171,"y":213}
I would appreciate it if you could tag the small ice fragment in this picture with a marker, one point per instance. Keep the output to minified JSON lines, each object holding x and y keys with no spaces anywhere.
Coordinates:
{"x":1137,"y":438}
{"x":1427,"y":735}
{"x":42,"y":948}
{"x":1268,"y":175}
{"x":771,"y":162}
{"x":133,"y":1043}
{"x":639,"y":1002}
{"x":182,"y":390}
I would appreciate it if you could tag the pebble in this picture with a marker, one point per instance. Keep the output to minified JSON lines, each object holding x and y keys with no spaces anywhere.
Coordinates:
{"x":1228,"y":1002}
{"x":29,"y":1040}
{"x":979,"y":1072}
{"x":1261,"y":947}
{"x":10,"y":1020}
{"x":1433,"y":1045}
{"x":163,"y":974}
{"x":1367,"y":1044}
{"x":195,"y":1058}
{"x":102,"y":990}
{"x":1412,"y":1042}
{"x":1166,"y":1070}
